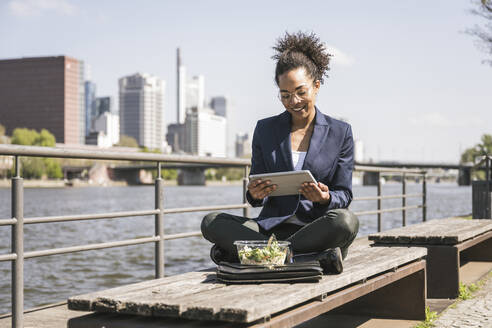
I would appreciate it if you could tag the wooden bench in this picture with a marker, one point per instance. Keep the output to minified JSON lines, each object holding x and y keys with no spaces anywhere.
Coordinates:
{"x":450,"y":243}
{"x":383,"y":282}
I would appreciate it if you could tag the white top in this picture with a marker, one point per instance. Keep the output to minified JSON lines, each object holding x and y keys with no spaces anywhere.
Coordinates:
{"x":298,"y":159}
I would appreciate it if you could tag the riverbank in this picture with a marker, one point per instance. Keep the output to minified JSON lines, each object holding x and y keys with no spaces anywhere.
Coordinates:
{"x":59,"y":183}
{"x":5,"y":183}
{"x":39,"y":183}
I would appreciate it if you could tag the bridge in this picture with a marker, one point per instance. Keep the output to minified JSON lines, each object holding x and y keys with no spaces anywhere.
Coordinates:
{"x":464,"y":170}
{"x":420,"y":165}
{"x":135,"y":174}
{"x":194,"y":174}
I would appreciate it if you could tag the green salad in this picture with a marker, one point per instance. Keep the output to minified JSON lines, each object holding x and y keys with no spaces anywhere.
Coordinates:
{"x":272,"y":253}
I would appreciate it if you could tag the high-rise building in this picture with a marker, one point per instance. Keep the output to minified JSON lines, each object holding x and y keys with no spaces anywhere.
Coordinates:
{"x":181,"y":90}
{"x":222,"y":107}
{"x":205,"y":133}
{"x":358,"y":151}
{"x":90,"y":105}
{"x":243,"y":145}
{"x":44,"y":93}
{"x":195,"y":92}
{"x":109,"y":124}
{"x":104,"y":105}
{"x":198,"y":130}
{"x":219,"y":105}
{"x":81,"y":91}
{"x":175,"y":137}
{"x":142,"y":109}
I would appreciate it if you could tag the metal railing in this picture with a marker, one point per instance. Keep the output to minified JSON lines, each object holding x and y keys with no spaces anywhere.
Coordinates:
{"x":17,"y":220}
{"x":404,"y":174}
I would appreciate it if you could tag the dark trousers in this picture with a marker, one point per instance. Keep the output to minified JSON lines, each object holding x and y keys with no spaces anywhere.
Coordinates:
{"x":337,"y":228}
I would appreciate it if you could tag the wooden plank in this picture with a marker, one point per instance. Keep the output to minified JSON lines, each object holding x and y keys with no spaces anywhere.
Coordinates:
{"x":87,"y":301}
{"x":272,"y":299}
{"x":140,"y":302}
{"x":437,"y":228}
{"x":130,"y":303}
{"x":192,"y":298}
{"x":161,"y":300}
{"x":448,"y":231}
{"x":116,"y":299}
{"x":60,"y":317}
{"x":482,"y":245}
{"x":316,"y":307}
{"x":210,"y":305}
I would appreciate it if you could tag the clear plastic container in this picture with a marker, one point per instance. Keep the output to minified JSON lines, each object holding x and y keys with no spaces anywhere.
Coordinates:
{"x":258,"y":252}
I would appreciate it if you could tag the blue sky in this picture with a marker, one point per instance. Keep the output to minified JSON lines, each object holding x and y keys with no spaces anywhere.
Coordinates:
{"x":404,"y":74}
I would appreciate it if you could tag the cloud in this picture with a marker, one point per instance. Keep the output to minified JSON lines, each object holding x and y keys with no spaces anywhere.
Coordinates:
{"x":339,"y":57}
{"x":27,"y":8}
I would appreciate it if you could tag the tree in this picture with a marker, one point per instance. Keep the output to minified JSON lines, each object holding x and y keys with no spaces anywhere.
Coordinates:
{"x":470,"y":155}
{"x":230,"y":174}
{"x":32,"y":167}
{"x":485,"y":148}
{"x":53,"y":168}
{"x":2,"y":130}
{"x":480,"y":149}
{"x":127,"y":141}
{"x":487,"y":5}
{"x":169,"y":174}
{"x":24,"y":136}
{"x":483,"y":8}
{"x":45,"y":139}
{"x":149,"y":150}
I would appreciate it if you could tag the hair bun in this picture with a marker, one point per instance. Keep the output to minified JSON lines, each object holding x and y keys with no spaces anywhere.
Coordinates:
{"x":290,"y":46}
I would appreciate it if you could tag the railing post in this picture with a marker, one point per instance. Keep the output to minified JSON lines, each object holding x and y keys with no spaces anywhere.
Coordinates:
{"x":424,"y":197}
{"x":159,"y":225}
{"x":403,"y":200}
{"x":379,"y":201}
{"x":245,"y":188}
{"x":18,"y":248}
{"x":487,"y":181}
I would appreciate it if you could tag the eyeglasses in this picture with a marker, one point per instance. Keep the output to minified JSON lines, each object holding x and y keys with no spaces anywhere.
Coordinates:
{"x":301,"y":94}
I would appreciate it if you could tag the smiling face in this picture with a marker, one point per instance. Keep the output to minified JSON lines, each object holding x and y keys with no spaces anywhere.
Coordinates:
{"x":298,"y":93}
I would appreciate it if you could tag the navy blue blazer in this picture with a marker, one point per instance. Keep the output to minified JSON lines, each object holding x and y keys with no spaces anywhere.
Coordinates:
{"x":330,"y":158}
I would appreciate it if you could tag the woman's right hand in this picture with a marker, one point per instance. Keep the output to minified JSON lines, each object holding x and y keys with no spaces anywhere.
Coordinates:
{"x":259,"y":189}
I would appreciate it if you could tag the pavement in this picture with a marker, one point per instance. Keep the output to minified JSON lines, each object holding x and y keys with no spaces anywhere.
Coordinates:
{"x":475,"y":312}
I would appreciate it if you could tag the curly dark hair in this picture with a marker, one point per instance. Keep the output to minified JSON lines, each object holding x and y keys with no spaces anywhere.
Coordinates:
{"x":301,"y":50}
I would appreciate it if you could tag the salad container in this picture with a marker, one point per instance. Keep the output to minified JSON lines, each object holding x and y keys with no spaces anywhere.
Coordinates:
{"x":262,"y":252}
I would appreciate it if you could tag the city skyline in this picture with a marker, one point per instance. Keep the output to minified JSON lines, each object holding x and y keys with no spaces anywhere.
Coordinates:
{"x":409,"y":80}
{"x":199,"y":129}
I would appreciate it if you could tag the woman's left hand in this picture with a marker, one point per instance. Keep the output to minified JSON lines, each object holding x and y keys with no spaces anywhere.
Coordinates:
{"x":315,"y":192}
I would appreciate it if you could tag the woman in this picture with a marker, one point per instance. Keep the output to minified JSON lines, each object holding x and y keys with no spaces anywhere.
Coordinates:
{"x":316,"y":221}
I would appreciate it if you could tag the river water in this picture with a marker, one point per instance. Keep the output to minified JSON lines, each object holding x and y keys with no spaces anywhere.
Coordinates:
{"x":55,"y":278}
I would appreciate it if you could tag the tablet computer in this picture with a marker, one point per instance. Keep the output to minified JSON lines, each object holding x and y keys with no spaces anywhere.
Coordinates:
{"x":288,"y":183}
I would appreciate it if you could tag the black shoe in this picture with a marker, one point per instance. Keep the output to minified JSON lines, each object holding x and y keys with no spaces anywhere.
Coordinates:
{"x":217,"y":254}
{"x":330,"y":259}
